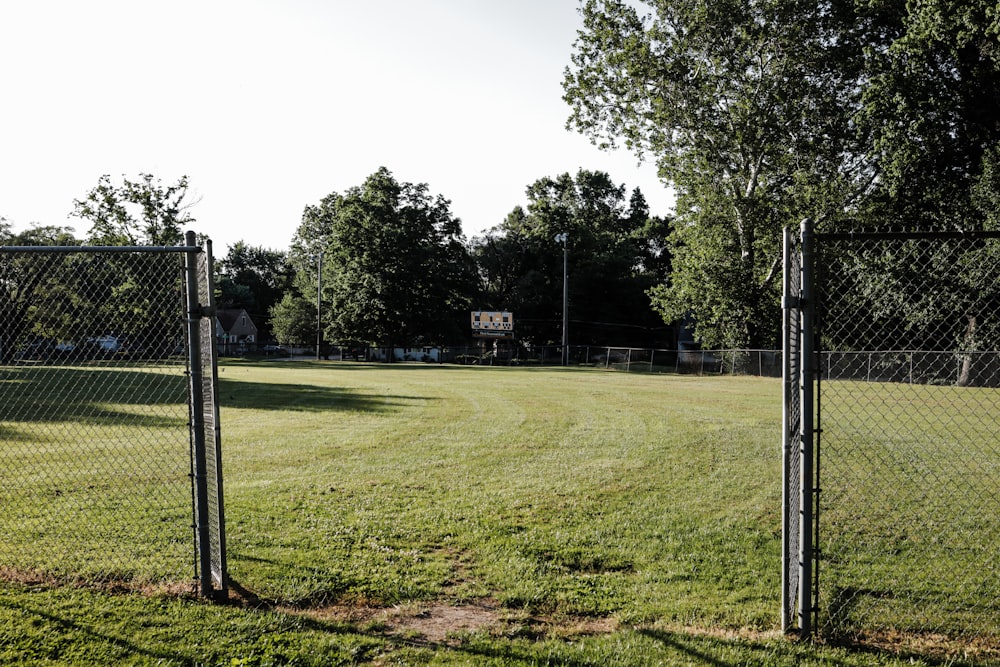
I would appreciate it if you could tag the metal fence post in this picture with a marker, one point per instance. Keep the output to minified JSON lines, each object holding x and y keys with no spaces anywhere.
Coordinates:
{"x":791,"y":362}
{"x":198,"y":452}
{"x":213,"y":446}
{"x":808,"y":375}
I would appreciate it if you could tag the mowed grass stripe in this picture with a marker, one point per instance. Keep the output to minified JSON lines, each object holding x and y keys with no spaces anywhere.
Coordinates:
{"x":569,"y":491}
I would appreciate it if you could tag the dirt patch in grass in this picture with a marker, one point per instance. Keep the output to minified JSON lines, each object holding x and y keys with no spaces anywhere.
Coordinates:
{"x":444,"y":624}
{"x":110,"y":585}
{"x":437,"y":623}
{"x":981,"y":649}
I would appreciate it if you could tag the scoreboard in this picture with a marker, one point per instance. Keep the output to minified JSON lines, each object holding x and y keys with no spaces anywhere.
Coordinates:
{"x":492,"y":324}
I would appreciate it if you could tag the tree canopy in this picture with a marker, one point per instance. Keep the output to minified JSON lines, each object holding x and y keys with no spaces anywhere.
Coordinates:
{"x":254,"y":278}
{"x":930,"y":105}
{"x":612,"y":259}
{"x":396,"y":270}
{"x":139,"y":212}
{"x":762,"y":112}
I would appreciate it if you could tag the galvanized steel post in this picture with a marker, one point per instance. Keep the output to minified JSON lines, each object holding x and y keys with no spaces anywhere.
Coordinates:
{"x":808,"y":376}
{"x":198,"y":454}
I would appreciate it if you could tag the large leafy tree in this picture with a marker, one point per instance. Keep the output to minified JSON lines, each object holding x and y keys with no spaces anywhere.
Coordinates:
{"x":931,"y":104}
{"x":129,"y":292}
{"x":254,"y":278}
{"x":745,"y":106}
{"x":38,"y":298}
{"x":293,"y":320}
{"x":139,"y":212}
{"x":612,"y":259}
{"x":396,"y":270}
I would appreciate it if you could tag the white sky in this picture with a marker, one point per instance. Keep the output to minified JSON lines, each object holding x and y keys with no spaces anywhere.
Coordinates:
{"x":270,"y":106}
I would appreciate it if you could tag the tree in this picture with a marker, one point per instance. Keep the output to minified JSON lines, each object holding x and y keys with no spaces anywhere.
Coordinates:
{"x":745,"y":106}
{"x":141,"y":212}
{"x":35,"y":289}
{"x":396,"y":270}
{"x":254,"y":278}
{"x":930,"y":105}
{"x":128,"y":292}
{"x":293,"y":320}
{"x":613,"y":258}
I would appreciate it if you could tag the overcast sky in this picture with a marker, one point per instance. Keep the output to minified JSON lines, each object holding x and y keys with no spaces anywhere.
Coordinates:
{"x":269,"y":106}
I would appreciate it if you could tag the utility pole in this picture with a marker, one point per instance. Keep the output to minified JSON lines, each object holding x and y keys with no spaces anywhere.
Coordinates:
{"x":319,"y":304}
{"x":562,"y":238}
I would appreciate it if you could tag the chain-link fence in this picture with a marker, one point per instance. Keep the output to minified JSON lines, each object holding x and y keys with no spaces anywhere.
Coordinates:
{"x":96,"y":419}
{"x":907,"y":440}
{"x":762,"y":363}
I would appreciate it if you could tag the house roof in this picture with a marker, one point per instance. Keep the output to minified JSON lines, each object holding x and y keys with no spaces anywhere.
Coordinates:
{"x":230,"y":316}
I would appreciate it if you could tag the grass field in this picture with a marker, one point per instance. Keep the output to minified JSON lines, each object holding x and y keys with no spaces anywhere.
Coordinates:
{"x":416,"y":514}
{"x":911,"y":516}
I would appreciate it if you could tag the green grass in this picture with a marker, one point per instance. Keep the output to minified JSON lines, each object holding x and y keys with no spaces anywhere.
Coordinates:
{"x":94,"y":473}
{"x":418,"y":514}
{"x":911,"y":522}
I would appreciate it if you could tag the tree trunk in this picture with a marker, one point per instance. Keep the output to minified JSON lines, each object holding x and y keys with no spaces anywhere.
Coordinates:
{"x":968,"y":345}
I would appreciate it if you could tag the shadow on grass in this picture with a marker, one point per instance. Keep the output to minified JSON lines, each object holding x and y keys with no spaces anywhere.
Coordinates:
{"x":64,"y":624}
{"x":331,"y":593}
{"x":684,"y":644}
{"x":842,"y":632}
{"x":409,"y":366}
{"x":306,"y":398}
{"x":692,"y":646}
{"x":90,"y":396}
{"x":363,"y":621}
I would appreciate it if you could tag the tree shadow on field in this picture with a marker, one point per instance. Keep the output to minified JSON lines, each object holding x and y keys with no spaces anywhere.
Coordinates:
{"x":698,"y":648}
{"x":685,"y":644}
{"x":306,"y":398}
{"x":89,"y":395}
{"x":64,"y":624}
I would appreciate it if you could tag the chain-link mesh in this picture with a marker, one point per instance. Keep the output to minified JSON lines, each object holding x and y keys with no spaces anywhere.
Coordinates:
{"x":94,"y":441}
{"x":910,"y":518}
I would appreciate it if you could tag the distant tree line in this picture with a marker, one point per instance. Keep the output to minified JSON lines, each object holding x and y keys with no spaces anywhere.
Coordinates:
{"x":397,"y":271}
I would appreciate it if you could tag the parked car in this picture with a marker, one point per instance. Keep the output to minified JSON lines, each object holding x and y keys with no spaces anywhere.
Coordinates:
{"x":105,"y":343}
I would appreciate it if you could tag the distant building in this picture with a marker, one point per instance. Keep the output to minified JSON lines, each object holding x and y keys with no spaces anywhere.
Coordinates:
{"x":235,"y":331}
{"x":426,"y":353}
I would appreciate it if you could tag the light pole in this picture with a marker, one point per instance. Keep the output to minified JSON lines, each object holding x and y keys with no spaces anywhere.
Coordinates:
{"x":562,"y":238}
{"x":319,"y":303}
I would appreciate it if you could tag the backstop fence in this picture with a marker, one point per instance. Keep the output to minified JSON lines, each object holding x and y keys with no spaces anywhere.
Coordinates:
{"x":893,"y":464}
{"x":110,"y":468}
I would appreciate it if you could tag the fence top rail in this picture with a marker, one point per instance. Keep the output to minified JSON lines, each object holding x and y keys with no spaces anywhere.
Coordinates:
{"x":98,"y":248}
{"x":902,"y":236}
{"x":896,"y":351}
